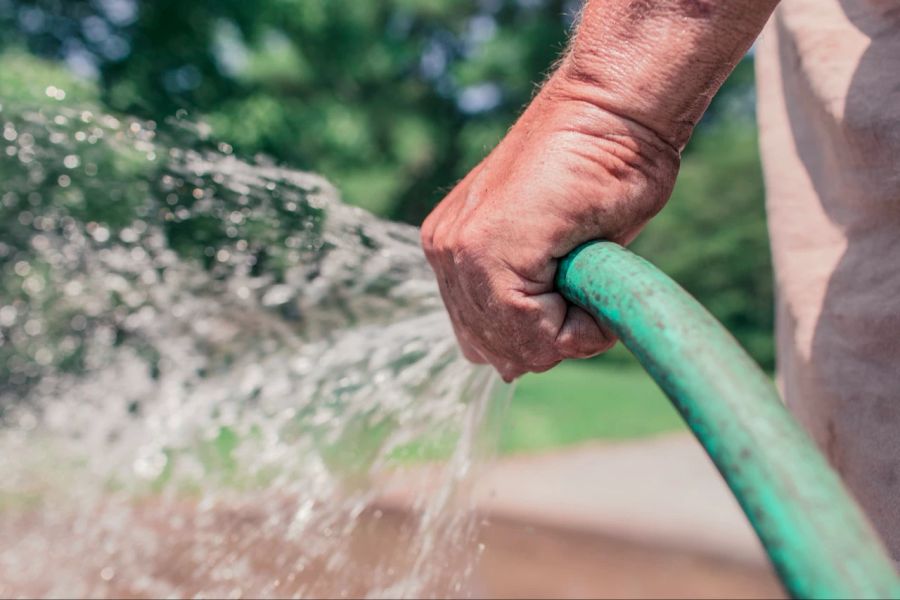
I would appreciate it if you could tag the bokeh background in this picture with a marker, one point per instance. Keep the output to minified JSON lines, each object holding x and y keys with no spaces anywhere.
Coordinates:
{"x":394,"y":101}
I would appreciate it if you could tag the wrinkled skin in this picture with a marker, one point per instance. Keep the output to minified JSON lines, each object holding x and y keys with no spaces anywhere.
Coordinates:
{"x":569,"y":171}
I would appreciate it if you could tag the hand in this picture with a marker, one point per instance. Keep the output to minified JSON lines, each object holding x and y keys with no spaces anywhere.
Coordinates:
{"x":569,"y":171}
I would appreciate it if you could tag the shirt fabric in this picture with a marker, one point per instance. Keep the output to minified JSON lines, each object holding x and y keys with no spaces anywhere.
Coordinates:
{"x":828,"y":84}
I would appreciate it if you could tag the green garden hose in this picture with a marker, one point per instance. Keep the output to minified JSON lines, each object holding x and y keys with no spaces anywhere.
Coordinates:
{"x":816,"y":536}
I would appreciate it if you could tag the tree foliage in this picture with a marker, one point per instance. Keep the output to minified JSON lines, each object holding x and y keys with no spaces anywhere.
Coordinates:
{"x":394,"y":101}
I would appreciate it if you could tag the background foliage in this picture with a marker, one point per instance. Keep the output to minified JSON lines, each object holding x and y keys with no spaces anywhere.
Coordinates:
{"x":394,"y":100}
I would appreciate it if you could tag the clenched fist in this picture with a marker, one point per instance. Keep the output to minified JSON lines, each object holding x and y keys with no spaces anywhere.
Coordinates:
{"x":594,"y":156}
{"x":569,"y":171}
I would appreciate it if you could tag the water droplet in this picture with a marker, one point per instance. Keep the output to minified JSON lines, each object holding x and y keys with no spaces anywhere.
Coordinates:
{"x":33,"y":285}
{"x":33,"y":327}
{"x":22,"y":268}
{"x":169,"y":351}
{"x":277,"y":294}
{"x":73,"y":288}
{"x":150,"y":463}
{"x":43,"y":356}
{"x":100,"y":233}
{"x":128,"y":235}
{"x":8,"y":315}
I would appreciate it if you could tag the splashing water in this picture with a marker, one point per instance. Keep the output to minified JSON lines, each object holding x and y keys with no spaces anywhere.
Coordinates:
{"x":209,"y":370}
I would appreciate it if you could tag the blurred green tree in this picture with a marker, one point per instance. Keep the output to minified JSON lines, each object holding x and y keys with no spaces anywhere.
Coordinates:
{"x":395,"y":100}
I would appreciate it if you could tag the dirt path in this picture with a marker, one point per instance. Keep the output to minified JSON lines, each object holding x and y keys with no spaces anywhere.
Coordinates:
{"x":627,"y":520}
{"x":518,"y":560}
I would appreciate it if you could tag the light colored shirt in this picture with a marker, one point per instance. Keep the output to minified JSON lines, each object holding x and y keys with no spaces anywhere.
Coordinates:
{"x":828,"y":75}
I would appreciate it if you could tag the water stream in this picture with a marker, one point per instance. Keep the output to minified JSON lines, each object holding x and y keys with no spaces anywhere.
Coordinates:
{"x":210,"y":370}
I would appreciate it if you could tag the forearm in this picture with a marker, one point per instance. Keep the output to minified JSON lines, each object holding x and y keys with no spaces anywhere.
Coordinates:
{"x":659,"y":63}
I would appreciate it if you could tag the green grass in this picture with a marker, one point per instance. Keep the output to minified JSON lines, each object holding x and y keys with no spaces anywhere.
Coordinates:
{"x":611,"y":398}
{"x":585,"y":400}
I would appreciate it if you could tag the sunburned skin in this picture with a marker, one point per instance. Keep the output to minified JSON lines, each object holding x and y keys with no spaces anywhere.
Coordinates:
{"x":594,"y":156}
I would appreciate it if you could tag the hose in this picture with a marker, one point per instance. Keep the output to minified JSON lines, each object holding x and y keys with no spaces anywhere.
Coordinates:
{"x":818,"y":539}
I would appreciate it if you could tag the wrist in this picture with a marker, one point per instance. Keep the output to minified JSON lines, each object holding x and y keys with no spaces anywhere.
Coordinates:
{"x":659,"y":64}
{"x":567,"y":104}
{"x":628,"y":94}
{"x":616,"y":172}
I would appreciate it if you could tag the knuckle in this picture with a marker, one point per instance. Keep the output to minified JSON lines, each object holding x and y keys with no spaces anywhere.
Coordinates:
{"x":426,"y":239}
{"x":530,"y":315}
{"x":468,"y":234}
{"x":530,"y":352}
{"x":439,"y":246}
{"x":430,"y":234}
{"x":469,"y":242}
{"x":538,"y":361}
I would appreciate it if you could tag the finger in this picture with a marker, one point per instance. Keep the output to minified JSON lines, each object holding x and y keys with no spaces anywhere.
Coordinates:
{"x":473,"y":329}
{"x":509,"y":371}
{"x":581,"y":336}
{"x":433,"y":233}
{"x":478,"y":354}
{"x":466,"y":344}
{"x":520,"y":337}
{"x":544,"y":368}
{"x":449,"y":294}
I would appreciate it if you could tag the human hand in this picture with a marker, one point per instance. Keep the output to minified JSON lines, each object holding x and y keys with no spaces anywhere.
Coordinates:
{"x":569,"y":171}
{"x":594,"y":156}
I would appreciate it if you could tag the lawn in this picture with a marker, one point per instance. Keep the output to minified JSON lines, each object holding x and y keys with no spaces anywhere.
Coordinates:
{"x":585,"y":400}
{"x":576,"y":402}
